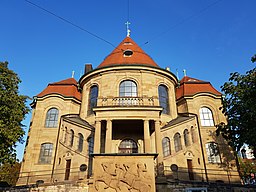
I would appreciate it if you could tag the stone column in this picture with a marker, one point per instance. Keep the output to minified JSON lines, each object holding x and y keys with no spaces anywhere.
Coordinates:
{"x":146,"y":137}
{"x":97,"y":138}
{"x":108,"y":145}
{"x":159,"y":148}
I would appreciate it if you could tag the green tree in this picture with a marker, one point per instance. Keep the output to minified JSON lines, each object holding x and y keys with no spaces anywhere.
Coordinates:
{"x":10,"y":173}
{"x":12,"y":111}
{"x":239,"y":106}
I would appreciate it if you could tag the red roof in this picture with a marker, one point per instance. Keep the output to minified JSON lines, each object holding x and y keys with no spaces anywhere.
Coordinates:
{"x":66,"y":88}
{"x":135,"y":55}
{"x":191,"y":86}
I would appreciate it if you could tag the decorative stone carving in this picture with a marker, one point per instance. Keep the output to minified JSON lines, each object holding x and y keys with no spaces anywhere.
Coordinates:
{"x":134,"y":176}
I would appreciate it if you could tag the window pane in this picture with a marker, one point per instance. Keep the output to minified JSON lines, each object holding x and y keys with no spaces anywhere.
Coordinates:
{"x":177,"y":142}
{"x":46,"y":153}
{"x":80,"y":142}
{"x":93,"y":97}
{"x":166,"y":146}
{"x":163,"y":98}
{"x":128,"y":146}
{"x":52,"y":118}
{"x":206,"y":117}
{"x":128,"y":89}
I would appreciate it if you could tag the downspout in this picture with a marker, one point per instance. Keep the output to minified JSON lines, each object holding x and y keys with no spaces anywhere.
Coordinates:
{"x":56,"y":148}
{"x":201,"y":144}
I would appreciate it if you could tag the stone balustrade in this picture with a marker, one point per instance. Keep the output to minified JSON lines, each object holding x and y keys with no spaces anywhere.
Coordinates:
{"x":126,"y":101}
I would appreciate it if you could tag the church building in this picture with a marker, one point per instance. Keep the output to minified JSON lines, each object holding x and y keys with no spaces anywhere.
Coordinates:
{"x":124,"y":126}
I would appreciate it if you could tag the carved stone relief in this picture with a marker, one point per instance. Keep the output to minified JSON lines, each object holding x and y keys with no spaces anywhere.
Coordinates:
{"x":132,"y":176}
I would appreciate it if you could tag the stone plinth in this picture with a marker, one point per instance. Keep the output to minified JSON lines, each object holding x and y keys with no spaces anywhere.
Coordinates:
{"x":123,"y":172}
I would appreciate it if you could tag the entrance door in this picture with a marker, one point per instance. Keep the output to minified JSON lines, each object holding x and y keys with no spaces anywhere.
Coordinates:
{"x":190,"y":169}
{"x":67,"y":172}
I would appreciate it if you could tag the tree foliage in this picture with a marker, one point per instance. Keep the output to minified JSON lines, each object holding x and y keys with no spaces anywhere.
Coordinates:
{"x":9,"y":173}
{"x":12,"y":111}
{"x":239,"y":106}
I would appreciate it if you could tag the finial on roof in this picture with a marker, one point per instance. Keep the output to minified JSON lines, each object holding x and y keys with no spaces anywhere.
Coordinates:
{"x":128,"y":29}
{"x":73,"y":74}
{"x":184,"y":71}
{"x":177,"y":74}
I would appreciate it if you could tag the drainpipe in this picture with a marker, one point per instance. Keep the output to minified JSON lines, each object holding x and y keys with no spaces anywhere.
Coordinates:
{"x":56,"y":148}
{"x":201,"y":143}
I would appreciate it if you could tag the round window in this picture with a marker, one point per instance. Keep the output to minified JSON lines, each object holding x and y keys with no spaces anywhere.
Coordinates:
{"x":83,"y":167}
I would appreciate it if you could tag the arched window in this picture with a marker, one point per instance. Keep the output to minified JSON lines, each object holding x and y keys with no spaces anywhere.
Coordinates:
{"x":212,"y":151}
{"x":52,"y":118}
{"x":186,"y":137}
{"x":166,"y":146}
{"x":128,"y":146}
{"x":65,"y":135}
{"x":72,"y":135}
{"x":80,"y":142}
{"x":45,"y":156}
{"x":93,"y":97}
{"x":164,"y":98}
{"x":128,"y":88}
{"x":206,"y":117}
{"x":177,"y":142}
{"x":90,"y":141}
{"x":193,"y":134}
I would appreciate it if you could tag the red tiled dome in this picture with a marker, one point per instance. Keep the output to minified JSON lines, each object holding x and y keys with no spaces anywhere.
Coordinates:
{"x":128,"y":52}
{"x":66,"y":88}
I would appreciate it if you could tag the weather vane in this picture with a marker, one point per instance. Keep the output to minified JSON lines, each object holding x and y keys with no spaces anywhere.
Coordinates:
{"x":128,"y":29}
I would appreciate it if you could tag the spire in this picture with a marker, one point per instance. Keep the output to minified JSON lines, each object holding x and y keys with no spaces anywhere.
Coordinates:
{"x":128,"y":29}
{"x":185,"y":72}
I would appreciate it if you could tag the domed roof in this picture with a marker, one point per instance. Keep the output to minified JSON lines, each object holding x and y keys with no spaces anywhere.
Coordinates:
{"x":127,"y":53}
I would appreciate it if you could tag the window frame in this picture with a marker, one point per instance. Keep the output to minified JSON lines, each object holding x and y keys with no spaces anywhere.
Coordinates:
{"x":166,"y":145}
{"x":186,"y":137}
{"x":80,"y":145}
{"x":124,"y":87}
{"x":206,"y":117}
{"x":45,"y":155}
{"x":90,"y":142}
{"x":213,"y":157}
{"x":72,"y":137}
{"x":51,"y":119}
{"x":125,"y":149}
{"x":177,"y":142}
{"x":163,"y":96}
{"x":93,"y":98}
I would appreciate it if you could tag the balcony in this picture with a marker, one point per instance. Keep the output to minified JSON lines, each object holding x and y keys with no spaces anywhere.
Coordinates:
{"x":126,"y":101}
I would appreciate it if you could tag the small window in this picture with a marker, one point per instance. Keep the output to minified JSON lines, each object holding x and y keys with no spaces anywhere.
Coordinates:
{"x":65,"y":135}
{"x":128,"y":88}
{"x":93,"y":97}
{"x":177,"y":142}
{"x":90,"y":141}
{"x":164,"y":98}
{"x":186,"y":137}
{"x":206,"y":117}
{"x":52,"y":118}
{"x":45,"y":156}
{"x":128,"y":146}
{"x":212,"y":151}
{"x":166,"y":146}
{"x":72,"y":135}
{"x":80,"y":142}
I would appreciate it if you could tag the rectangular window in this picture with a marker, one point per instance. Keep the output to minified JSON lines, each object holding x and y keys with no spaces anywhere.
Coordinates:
{"x":212,"y":152}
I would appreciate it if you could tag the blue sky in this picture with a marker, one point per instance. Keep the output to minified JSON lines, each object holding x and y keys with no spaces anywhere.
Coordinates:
{"x":208,"y":38}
